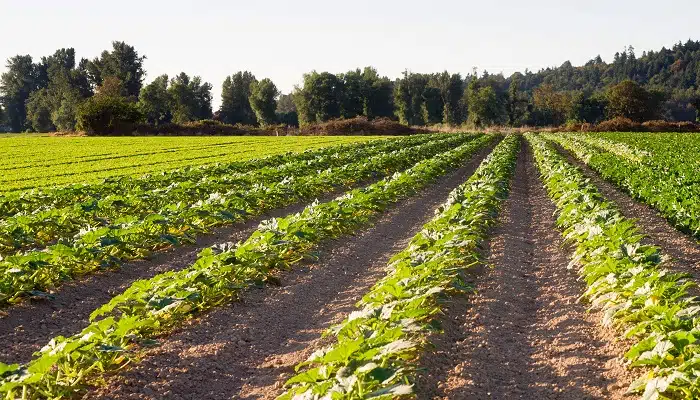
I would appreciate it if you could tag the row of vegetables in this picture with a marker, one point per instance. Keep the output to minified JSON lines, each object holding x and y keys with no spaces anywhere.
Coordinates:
{"x":47,"y":224}
{"x":376,"y":348}
{"x":32,"y":201}
{"x":640,"y":170}
{"x":32,"y":273}
{"x":626,"y":280}
{"x":151,"y":307}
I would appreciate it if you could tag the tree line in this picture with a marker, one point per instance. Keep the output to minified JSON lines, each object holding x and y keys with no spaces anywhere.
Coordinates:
{"x":59,"y":92}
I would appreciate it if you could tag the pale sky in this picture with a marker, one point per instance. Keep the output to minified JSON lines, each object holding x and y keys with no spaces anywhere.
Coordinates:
{"x":282,"y":40}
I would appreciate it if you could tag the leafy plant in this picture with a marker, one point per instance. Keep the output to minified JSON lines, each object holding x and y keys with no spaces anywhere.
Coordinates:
{"x":150,"y":307}
{"x":637,"y":167}
{"x":648,"y":304}
{"x":375,"y":351}
{"x":134,"y":236}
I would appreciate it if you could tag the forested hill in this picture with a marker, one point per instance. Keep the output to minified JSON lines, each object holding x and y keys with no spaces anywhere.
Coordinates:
{"x":661,"y":84}
{"x":672,"y":69}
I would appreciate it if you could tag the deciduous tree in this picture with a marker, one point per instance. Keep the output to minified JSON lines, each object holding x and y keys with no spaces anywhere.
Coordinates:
{"x":156,"y":103}
{"x":122,"y":62}
{"x":191,"y":99}
{"x":379,"y":95}
{"x":320,"y":99}
{"x":235,"y":99}
{"x":630,"y":100}
{"x":16,"y":85}
{"x":263,"y":101}
{"x":408,"y":98}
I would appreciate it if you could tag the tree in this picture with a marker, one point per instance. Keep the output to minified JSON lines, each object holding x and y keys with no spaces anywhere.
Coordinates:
{"x":235,"y":104}
{"x":155,"y":102}
{"x":39,"y":111}
{"x":16,"y":85}
{"x":111,"y":87}
{"x":451,"y":89}
{"x":408,"y":98}
{"x":484,"y":105}
{"x":122,"y":62}
{"x":320,"y":99}
{"x":191,"y":99}
{"x":433,"y":108}
{"x":64,"y":85}
{"x":585,"y":108}
{"x":286,"y":112}
{"x":108,"y":115}
{"x":379,"y":95}
{"x":551,"y":107}
{"x":285,"y":103}
{"x":354,"y":93}
{"x":263,"y":101}
{"x":630,"y":100}
{"x":518,"y":102}
{"x":695,"y":102}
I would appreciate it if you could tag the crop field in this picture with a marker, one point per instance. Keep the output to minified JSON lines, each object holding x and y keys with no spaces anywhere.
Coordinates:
{"x":38,"y":161}
{"x":437,"y":266}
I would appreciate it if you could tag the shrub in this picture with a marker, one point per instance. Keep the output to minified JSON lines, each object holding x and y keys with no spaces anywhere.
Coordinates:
{"x":573,"y":126}
{"x":360,"y":126}
{"x":668,"y":126}
{"x":209,"y":127}
{"x":108,"y":115}
{"x":618,"y":124}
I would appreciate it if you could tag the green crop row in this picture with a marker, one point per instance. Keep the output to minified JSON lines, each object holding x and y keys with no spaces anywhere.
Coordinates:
{"x":63,"y":225}
{"x":153,"y":306}
{"x":626,"y":281}
{"x":36,"y":200}
{"x":35,"y":272}
{"x":376,"y":348}
{"x":640,"y":172}
{"x":72,"y":160}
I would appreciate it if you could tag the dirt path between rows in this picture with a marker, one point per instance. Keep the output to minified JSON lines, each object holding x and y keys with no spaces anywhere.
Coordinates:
{"x":523,"y":335}
{"x":248,"y":349}
{"x":684,"y":251}
{"x":27,"y":327}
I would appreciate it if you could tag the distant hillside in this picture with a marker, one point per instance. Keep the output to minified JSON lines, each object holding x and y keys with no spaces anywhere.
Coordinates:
{"x":674,"y":72}
{"x":677,"y":68}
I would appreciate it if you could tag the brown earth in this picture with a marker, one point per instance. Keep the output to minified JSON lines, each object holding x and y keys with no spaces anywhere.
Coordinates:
{"x":27,"y":327}
{"x":683,"y":249}
{"x":523,"y":335}
{"x":248,"y":349}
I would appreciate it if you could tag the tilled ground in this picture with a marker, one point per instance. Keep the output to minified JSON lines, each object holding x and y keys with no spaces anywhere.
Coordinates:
{"x":248,"y":349}
{"x":523,"y":335}
{"x":683,"y":249}
{"x":27,"y":327}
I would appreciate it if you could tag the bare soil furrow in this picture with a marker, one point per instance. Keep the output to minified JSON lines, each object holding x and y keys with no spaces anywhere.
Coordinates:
{"x":26,"y":327}
{"x":683,"y":249}
{"x":523,"y":335}
{"x":248,"y":349}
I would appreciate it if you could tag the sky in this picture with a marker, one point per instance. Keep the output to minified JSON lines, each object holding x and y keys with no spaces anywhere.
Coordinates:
{"x":282,"y":40}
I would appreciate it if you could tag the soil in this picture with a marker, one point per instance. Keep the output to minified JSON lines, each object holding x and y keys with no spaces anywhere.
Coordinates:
{"x":683,"y":250}
{"x":523,"y":335}
{"x":248,"y":349}
{"x":25,"y":328}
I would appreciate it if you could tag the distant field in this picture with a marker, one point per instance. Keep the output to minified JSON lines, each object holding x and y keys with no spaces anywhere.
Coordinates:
{"x":31,"y":161}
